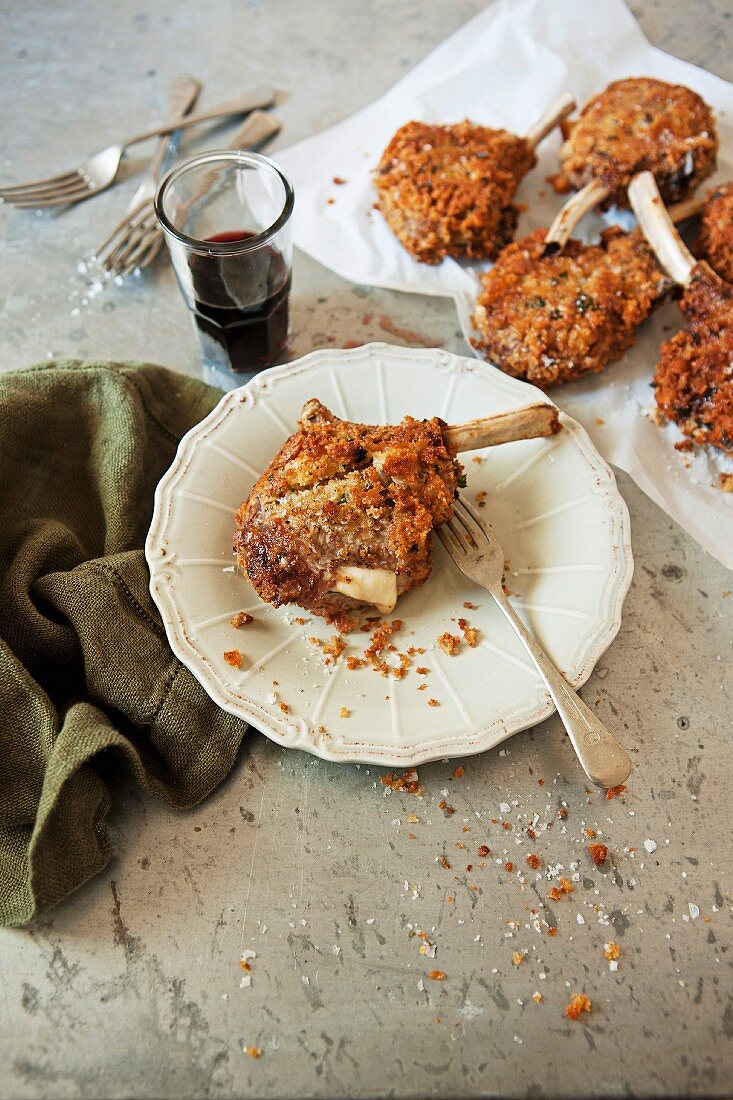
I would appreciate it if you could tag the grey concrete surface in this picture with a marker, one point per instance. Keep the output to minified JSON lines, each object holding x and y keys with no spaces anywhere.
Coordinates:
{"x":132,"y":988}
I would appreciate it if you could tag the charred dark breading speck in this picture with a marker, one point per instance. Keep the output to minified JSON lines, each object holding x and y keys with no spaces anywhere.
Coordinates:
{"x":635,"y":125}
{"x":715,"y":242}
{"x":448,"y":190}
{"x":693,"y":381}
{"x":345,"y":494}
{"x":559,"y":317}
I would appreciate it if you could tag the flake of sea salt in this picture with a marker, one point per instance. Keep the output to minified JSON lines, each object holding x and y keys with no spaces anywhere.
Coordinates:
{"x":694,"y":910}
{"x":650,"y":845}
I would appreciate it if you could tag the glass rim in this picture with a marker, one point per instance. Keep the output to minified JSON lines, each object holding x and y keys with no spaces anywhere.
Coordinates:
{"x":224,"y":248}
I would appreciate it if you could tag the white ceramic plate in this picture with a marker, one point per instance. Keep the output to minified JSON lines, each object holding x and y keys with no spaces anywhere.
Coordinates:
{"x":553,"y":503}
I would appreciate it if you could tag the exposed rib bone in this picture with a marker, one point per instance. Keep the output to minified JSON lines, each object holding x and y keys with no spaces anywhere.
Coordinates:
{"x":530,"y":422}
{"x":688,"y":208}
{"x":574,"y":209}
{"x":554,"y":114}
{"x":593,"y":194}
{"x":376,"y":586}
{"x":659,"y":229}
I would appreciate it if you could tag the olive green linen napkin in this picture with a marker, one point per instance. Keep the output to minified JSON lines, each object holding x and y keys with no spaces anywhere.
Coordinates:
{"x":88,"y":685}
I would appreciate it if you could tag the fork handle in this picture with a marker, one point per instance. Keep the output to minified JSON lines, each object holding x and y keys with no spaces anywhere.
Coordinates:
{"x":603,"y":760}
{"x":239,"y":105}
{"x":184,"y":92}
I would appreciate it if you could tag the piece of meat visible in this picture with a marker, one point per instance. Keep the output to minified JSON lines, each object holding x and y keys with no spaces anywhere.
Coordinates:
{"x":448,"y":190}
{"x":558,"y":317}
{"x":344,"y":494}
{"x":693,"y":380}
{"x":635,"y":125}
{"x":715,"y":240}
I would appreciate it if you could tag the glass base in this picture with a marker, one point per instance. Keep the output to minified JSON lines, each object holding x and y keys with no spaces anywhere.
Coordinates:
{"x":222,"y":377}
{"x":215,"y":365}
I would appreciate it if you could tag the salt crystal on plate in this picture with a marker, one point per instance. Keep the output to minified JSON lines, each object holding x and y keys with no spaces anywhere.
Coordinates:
{"x":650,"y":845}
{"x":694,"y":910}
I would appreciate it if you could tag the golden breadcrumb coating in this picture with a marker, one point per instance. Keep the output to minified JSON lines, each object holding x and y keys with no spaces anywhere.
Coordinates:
{"x":448,"y":190}
{"x":693,"y":381}
{"x":338,"y":494}
{"x":636,"y":125}
{"x":715,"y":241}
{"x":556,"y":318}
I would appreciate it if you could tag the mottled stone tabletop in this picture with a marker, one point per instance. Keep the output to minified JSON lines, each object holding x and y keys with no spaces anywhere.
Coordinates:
{"x":132,"y":988}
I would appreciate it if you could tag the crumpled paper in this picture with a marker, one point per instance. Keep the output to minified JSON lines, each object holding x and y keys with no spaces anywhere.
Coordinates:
{"x":503,"y":69}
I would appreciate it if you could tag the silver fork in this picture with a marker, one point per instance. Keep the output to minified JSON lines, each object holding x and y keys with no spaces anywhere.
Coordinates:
{"x":99,"y":172}
{"x":476,"y":551}
{"x":145,"y":239}
{"x":184,"y":92}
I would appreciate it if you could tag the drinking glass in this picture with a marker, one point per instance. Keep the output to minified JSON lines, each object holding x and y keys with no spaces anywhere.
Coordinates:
{"x":227,"y":222}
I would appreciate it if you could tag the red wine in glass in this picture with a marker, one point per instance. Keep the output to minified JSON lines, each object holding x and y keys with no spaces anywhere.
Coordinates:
{"x":241,"y":302}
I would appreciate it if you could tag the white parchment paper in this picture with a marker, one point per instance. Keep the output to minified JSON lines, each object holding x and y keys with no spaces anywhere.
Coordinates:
{"x":503,"y":69}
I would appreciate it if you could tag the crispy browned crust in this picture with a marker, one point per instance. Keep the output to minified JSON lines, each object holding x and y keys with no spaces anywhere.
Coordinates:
{"x":637,"y":125}
{"x":447,"y":190}
{"x":556,"y":318}
{"x":693,"y":381}
{"x":715,"y":241}
{"x":339,"y":493}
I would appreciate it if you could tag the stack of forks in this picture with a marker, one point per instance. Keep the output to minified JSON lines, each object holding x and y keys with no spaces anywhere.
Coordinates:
{"x":137,"y":239}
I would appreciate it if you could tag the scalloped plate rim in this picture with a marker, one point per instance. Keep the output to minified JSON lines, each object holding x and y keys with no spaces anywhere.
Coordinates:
{"x":470,"y":743}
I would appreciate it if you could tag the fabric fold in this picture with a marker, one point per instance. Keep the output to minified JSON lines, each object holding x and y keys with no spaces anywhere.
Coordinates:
{"x":87,"y":680}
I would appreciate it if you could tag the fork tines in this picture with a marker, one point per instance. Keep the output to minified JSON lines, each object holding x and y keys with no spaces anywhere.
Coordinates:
{"x":133,"y":243}
{"x":58,"y":190}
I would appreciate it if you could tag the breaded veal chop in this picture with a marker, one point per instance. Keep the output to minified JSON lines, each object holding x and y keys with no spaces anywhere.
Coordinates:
{"x":448,"y":190}
{"x":635,"y":125}
{"x":558,"y":317}
{"x":693,"y":380}
{"x":344,"y":514}
{"x":551,"y":316}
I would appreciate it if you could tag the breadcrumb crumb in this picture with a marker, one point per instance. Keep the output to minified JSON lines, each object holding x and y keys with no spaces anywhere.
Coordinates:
{"x":241,"y":619}
{"x":579,"y":1003}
